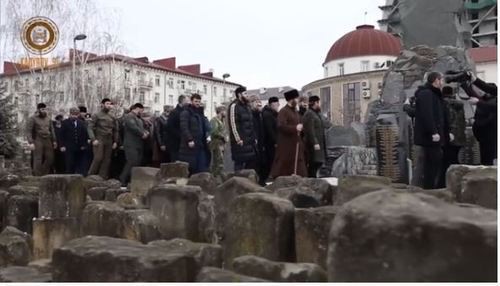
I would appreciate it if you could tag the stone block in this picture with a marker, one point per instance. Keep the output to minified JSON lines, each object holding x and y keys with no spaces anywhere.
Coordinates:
{"x":351,"y":187}
{"x":212,"y":274}
{"x":103,"y":218}
{"x":97,"y":193}
{"x":20,"y":212}
{"x":205,"y":181}
{"x":455,"y":175}
{"x":49,"y":234}
{"x":142,"y":179}
{"x":111,"y":194}
{"x":480,"y":187}
{"x":141,"y":225}
{"x":61,"y":196}
{"x":42,"y":265}
{"x":300,"y":197}
{"x":130,"y":201}
{"x":173,"y":170}
{"x":23,"y":274}
{"x":15,"y":247}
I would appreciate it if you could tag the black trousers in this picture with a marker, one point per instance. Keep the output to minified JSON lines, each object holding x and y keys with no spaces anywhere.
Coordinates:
{"x":450,"y":157}
{"x":312,"y":169}
{"x":433,"y":162}
{"x":75,"y":162}
{"x":133,"y":155}
{"x":488,"y":151}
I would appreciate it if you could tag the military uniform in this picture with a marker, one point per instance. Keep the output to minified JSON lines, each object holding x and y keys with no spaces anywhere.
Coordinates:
{"x":40,"y":132}
{"x":103,"y":128}
{"x":133,"y":144}
{"x":219,"y":138}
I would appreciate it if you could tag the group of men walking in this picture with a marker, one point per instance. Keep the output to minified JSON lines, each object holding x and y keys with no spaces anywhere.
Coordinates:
{"x":271,"y":141}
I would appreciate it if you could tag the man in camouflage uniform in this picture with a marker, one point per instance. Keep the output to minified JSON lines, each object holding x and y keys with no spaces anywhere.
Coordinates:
{"x":218,"y":136}
{"x":454,"y":110}
{"x":42,"y":140}
{"x":103,"y":133}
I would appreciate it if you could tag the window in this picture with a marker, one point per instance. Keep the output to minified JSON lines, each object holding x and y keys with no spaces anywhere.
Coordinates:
{"x":474,"y":16}
{"x":127,"y":74}
{"x":365,"y":66}
{"x":388,"y":64}
{"x":325,"y":95}
{"x":157,"y":81}
{"x":61,"y":96}
{"x":326,"y":72}
{"x":224,"y":92}
{"x":476,"y":30}
{"x":171,"y":83}
{"x":171,"y":99}
{"x":17,"y":85}
{"x":127,"y":94}
{"x":182,"y":84}
{"x":205,"y":89}
{"x":341,"y":69}
{"x":27,"y":83}
{"x":87,"y":75}
{"x":352,"y":103}
{"x":193,"y":86}
{"x":157,"y":98}
{"x":142,"y":97}
{"x":215,"y":91}
{"x":61,"y":78}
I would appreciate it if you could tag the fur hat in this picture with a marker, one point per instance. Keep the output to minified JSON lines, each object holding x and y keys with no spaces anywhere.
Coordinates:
{"x":313,"y":98}
{"x":82,"y":109}
{"x":273,"y":100}
{"x":41,"y":105}
{"x":291,"y":94}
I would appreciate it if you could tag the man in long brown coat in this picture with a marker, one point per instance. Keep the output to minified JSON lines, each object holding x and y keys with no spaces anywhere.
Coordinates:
{"x":289,"y":158}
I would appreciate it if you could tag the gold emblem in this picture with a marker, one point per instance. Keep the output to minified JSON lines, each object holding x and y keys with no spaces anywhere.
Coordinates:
{"x":39,"y":35}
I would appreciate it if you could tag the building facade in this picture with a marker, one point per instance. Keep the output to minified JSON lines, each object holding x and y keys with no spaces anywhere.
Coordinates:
{"x":354,"y":69}
{"x":123,"y":79}
{"x":265,"y":93}
{"x":485,"y":59}
{"x":481,"y":15}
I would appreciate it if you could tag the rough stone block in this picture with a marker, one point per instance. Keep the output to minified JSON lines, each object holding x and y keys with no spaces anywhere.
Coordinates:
{"x":97,"y":193}
{"x":106,"y":259}
{"x":103,"y":218}
{"x":130,"y":201}
{"x":4,"y":197}
{"x":49,"y":234}
{"x":205,"y":181}
{"x":141,"y":225}
{"x":42,"y":265}
{"x":311,"y":233}
{"x":353,"y":186}
{"x":285,"y":182}
{"x":21,"y":190}
{"x":15,"y":247}
{"x":205,"y":254}
{"x":61,"y":196}
{"x":177,"y":208}
{"x":278,"y":271}
{"x":321,"y":188}
{"x":480,"y":187}
{"x":260,"y":224}
{"x":20,"y":274}
{"x":389,"y":236}
{"x":20,"y":212}
{"x":455,"y":175}
{"x":300,"y":197}
{"x":173,"y":170}
{"x":207,"y":219}
{"x":111,"y":195}
{"x":142,"y":179}
{"x":8,"y":180}
{"x":212,"y":274}
{"x":250,"y":174}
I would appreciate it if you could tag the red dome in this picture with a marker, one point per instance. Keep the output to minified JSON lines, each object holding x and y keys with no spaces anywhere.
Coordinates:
{"x":364,"y":41}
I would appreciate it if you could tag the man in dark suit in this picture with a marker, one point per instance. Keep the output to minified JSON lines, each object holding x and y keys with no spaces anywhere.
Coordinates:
{"x":74,"y":143}
{"x":173,"y":128}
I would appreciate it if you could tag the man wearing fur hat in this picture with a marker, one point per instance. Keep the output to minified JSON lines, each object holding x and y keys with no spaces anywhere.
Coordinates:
{"x":42,"y":140}
{"x":289,"y":157}
{"x":314,"y":135}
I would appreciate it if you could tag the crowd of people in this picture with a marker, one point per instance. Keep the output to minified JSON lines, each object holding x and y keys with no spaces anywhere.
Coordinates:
{"x":272,"y":141}
{"x":439,"y":124}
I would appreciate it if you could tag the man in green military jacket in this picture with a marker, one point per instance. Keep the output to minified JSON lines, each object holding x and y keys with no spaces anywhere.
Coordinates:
{"x":218,"y":135}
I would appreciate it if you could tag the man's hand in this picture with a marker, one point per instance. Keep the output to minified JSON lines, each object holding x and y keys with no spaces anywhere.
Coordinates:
{"x":240,"y":142}
{"x":191,"y":144}
{"x":114,"y":146}
{"x":95,"y":142}
{"x":31,"y":147}
{"x":145,"y":135}
{"x":317,"y":147}
{"x":54,"y":145}
{"x":63,"y":149}
{"x":473,"y":100}
{"x":452,"y":137}
{"x":163,"y":148}
{"x":436,"y":137}
{"x":300,"y":127}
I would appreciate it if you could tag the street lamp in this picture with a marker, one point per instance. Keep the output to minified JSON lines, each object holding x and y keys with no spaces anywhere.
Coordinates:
{"x":224,"y":76}
{"x":79,"y":37}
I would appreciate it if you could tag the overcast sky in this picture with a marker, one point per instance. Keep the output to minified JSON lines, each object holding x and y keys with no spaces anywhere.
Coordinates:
{"x":261,"y":43}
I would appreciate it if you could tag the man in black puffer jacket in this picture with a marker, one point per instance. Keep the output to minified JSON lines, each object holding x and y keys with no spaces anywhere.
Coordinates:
{"x":431,"y":127}
{"x":241,"y":130}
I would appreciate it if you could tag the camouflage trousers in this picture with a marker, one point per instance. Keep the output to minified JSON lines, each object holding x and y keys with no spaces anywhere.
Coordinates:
{"x":217,"y":162}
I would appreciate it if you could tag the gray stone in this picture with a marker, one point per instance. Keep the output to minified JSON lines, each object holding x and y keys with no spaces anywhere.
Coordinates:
{"x":177,"y":208}
{"x":278,"y":271}
{"x":30,"y":181}
{"x":300,"y":197}
{"x":97,"y":193}
{"x":480,"y":187}
{"x":285,"y":182}
{"x":205,"y":254}
{"x":260,"y":224}
{"x":4,"y":197}
{"x":141,"y":225}
{"x":61,"y":196}
{"x":226,"y":193}
{"x":103,"y":218}
{"x":311,"y":233}
{"x":49,"y":234}
{"x":142,"y":179}
{"x":455,"y":175}
{"x":321,"y":189}
{"x":212,"y":274}
{"x":111,"y":194}
{"x":250,"y":174}
{"x":8,"y":180}
{"x":21,"y":190}
{"x":15,"y":247}
{"x":342,"y":136}
{"x":205,"y":181}
{"x":390,"y":236}
{"x":350,"y":160}
{"x":42,"y":265}
{"x":23,"y":274}
{"x":353,"y":186}
{"x":20,"y":212}
{"x":130,"y":201}
{"x":173,"y":170}
{"x":207,"y":217}
{"x":105,"y":259}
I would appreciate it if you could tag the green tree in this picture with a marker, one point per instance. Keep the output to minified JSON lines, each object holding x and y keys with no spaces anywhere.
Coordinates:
{"x":9,"y":146}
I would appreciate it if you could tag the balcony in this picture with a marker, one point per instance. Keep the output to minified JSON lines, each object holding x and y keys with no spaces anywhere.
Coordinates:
{"x":145,"y":84}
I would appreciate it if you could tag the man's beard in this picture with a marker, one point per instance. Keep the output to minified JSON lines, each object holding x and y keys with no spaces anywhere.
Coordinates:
{"x":105,"y":109}
{"x":293,"y":104}
{"x":244,"y":99}
{"x":42,"y":114}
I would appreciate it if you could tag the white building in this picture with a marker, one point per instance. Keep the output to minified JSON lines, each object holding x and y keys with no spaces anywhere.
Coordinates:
{"x":265,"y":93}
{"x":485,"y":59}
{"x":123,"y":79}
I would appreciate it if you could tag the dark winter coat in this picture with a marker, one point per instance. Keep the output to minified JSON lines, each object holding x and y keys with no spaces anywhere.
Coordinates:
{"x":456,"y":118}
{"x":430,"y":117}
{"x":174,"y":129}
{"x":241,"y":128}
{"x":71,"y":137}
{"x":160,"y":130}
{"x":194,"y":127}
{"x":270,"y":132}
{"x":314,"y":131}
{"x":288,"y":140}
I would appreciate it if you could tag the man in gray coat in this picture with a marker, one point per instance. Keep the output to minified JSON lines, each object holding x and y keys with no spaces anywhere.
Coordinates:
{"x":134,"y":135}
{"x":314,"y":132}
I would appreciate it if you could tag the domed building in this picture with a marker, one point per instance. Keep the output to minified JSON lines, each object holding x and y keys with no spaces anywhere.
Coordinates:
{"x":354,"y":69}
